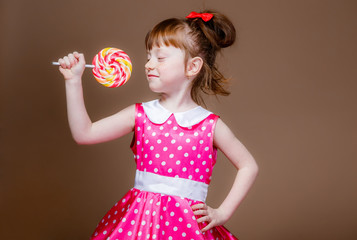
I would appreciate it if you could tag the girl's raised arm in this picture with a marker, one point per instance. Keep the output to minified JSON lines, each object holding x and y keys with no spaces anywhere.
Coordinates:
{"x":82,"y":128}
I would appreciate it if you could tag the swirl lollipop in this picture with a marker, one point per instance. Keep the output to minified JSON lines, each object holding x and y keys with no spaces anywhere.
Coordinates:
{"x":111,"y":67}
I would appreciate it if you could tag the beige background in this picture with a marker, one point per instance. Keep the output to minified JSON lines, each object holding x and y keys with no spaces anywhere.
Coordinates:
{"x":293,"y":104}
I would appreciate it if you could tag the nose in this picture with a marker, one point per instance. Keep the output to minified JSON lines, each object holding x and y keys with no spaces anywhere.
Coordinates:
{"x":149,"y":65}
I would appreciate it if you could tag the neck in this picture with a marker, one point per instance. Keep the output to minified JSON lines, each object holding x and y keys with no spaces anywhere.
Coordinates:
{"x":178,"y":101}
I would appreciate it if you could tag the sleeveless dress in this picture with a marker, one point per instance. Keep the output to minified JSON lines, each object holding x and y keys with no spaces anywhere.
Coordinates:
{"x":175,"y":157}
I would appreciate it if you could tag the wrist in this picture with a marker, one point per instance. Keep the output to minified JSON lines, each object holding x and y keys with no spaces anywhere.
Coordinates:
{"x":73,"y":81}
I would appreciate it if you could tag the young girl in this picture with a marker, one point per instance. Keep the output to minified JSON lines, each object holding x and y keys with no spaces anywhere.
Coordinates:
{"x":175,"y":139}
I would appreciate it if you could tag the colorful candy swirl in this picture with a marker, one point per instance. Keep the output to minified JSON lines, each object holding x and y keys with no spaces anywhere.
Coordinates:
{"x":112,"y":67}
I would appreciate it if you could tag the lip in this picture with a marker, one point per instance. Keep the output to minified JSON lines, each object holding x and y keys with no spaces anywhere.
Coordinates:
{"x":152,"y":76}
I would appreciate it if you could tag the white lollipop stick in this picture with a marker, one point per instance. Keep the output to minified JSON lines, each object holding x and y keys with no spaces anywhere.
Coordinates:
{"x":87,"y":65}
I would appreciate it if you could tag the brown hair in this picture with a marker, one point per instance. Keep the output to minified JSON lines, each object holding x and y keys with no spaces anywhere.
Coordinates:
{"x":198,"y":38}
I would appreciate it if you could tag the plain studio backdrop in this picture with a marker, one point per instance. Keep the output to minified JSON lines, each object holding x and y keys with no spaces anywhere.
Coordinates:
{"x":293,"y":104}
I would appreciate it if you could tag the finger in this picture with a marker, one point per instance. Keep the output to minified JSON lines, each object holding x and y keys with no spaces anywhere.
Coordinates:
{"x":200,"y":212}
{"x":204,"y":219}
{"x":67,"y":62}
{"x":198,"y":206}
{"x":62,"y":63}
{"x":208,"y":227}
{"x":72,"y":59}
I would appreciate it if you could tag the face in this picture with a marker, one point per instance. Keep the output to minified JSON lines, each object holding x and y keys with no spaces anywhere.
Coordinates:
{"x":165,"y":69}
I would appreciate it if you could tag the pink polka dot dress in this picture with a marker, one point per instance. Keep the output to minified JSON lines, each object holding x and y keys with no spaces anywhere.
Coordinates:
{"x":174,"y":156}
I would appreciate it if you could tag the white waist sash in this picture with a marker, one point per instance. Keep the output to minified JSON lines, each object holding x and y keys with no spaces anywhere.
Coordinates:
{"x":181,"y":187}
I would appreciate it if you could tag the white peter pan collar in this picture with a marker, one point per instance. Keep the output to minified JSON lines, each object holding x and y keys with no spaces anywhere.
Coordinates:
{"x":158,"y":114}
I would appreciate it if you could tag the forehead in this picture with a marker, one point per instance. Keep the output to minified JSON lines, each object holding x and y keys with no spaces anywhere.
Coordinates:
{"x":163,"y":49}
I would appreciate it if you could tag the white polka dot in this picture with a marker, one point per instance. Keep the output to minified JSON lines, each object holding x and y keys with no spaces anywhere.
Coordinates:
{"x":153,"y":134}
{"x":146,"y":141}
{"x":153,"y":213}
{"x":152,"y":148}
{"x":123,"y":220}
{"x":150,"y":162}
{"x":183,"y":234}
{"x":169,"y":122}
{"x":211,"y":121}
{"x":138,"y":128}
{"x":190,"y":177}
{"x":188,"y":140}
{"x":132,"y":222}
{"x":185,"y":210}
{"x":165,"y":149}
{"x":149,"y":127}
{"x":172,"y":214}
{"x":163,"y":163}
{"x":143,"y":222}
{"x":201,"y":141}
{"x":197,"y":232}
{"x":186,"y":154}
{"x":210,"y":156}
{"x":147,"y":212}
{"x":178,"y":162}
{"x":169,"y":170}
{"x":197,"y":170}
{"x":116,"y":212}
{"x":167,"y":134}
{"x":167,"y":223}
{"x":181,"y":134}
{"x":137,"y":142}
{"x":157,"y":155}
{"x":196,"y":134}
{"x":151,"y":201}
{"x":171,"y":155}
{"x":207,"y":169}
{"x":209,"y":134}
{"x":156,"y":170}
{"x":139,"y":114}
{"x":203,"y":128}
{"x":105,"y":232}
{"x":120,"y":230}
{"x":140,"y":233}
{"x":159,"y":141}
{"x":188,"y":225}
{"x":177,"y":204}
{"x":157,"y":226}
{"x":192,"y":162}
{"x":161,"y":128}
{"x":206,"y":148}
{"x":136,"y":211}
{"x":173,"y":141}
{"x":130,"y":233}
{"x":201,"y":177}
{"x":179,"y":148}
{"x":194,"y":148}
{"x":175,"y":229}
{"x":180,"y":219}
{"x":174,"y":128}
{"x":204,"y":163}
{"x":184,"y":169}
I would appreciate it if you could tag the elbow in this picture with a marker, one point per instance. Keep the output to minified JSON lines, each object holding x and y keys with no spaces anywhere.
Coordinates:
{"x":81,"y":140}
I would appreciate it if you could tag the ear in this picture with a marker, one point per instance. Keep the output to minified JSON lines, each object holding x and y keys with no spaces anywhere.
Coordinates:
{"x":194,"y":66}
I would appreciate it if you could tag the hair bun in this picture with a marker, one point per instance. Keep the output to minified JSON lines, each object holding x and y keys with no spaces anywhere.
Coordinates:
{"x":219,"y":30}
{"x":223,"y":28}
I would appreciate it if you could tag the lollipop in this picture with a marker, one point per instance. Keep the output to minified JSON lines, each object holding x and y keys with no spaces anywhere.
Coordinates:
{"x":111,"y":67}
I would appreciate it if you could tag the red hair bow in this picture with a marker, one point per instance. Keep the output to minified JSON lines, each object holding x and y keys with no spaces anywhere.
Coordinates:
{"x":205,"y":16}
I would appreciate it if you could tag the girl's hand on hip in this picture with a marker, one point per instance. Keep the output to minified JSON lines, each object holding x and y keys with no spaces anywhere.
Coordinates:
{"x":72,"y":66}
{"x":204,"y":213}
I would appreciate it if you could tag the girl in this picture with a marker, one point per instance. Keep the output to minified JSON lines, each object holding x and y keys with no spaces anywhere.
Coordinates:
{"x":175,"y":139}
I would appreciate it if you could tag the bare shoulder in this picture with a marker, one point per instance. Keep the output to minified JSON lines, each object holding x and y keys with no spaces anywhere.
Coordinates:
{"x":230,"y":146}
